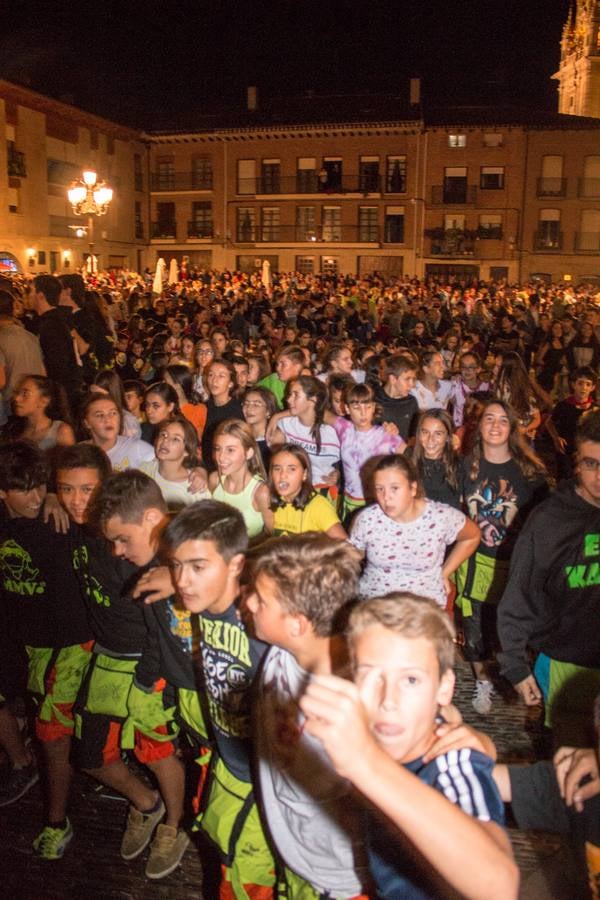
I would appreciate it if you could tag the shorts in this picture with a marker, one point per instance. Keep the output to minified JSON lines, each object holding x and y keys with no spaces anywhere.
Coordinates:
{"x":481,"y":578}
{"x":231,"y":821}
{"x":112,"y":715}
{"x":292,"y":887}
{"x":479,"y":631}
{"x":569,"y":694}
{"x":54,"y":678}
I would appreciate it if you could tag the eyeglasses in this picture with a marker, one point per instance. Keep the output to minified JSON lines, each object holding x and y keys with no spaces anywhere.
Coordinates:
{"x":206,"y":352}
{"x":589,"y":464}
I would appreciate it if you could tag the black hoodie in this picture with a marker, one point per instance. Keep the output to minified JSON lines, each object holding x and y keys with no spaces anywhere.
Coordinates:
{"x":551,"y":603}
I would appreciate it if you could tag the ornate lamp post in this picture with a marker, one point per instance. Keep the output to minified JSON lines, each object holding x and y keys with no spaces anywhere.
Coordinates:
{"x":90,"y":197}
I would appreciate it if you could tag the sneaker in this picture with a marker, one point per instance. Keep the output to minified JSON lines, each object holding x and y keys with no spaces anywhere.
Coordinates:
{"x":482,"y":697}
{"x":51,"y":842}
{"x":18,"y":783}
{"x":139,"y":830}
{"x":166,"y":851}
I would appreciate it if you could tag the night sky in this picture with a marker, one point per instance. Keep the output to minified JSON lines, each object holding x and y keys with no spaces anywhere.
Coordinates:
{"x":152,"y":64}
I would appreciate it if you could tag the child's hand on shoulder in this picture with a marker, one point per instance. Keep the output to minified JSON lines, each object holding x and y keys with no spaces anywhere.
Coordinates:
{"x":458,"y":736}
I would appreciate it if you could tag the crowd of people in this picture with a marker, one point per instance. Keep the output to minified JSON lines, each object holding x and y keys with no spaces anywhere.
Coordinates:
{"x":256,"y":521}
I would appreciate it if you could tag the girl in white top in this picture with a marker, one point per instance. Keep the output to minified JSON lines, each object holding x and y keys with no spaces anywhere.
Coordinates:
{"x":176,"y":449}
{"x":404,"y":536}
{"x":432,"y":391}
{"x":307,"y":401}
{"x":240,"y":476}
{"x":102,"y":420}
{"x":108,"y":382}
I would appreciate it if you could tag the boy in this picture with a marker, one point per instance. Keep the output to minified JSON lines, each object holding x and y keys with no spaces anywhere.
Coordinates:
{"x":566,"y":415}
{"x":290,"y":364}
{"x":379,"y":734}
{"x":134,"y":393}
{"x":47,"y":617}
{"x":112,"y":712}
{"x":301,"y":584}
{"x":398,"y":377}
{"x":206,"y":545}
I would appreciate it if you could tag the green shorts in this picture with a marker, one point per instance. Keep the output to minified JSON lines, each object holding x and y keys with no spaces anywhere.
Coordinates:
{"x":231,"y":821}
{"x":112,"y":714}
{"x":482,"y":578}
{"x":569,"y":694}
{"x":54,"y":678}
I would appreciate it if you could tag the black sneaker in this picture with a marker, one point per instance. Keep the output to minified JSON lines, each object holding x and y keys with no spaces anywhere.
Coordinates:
{"x":18,"y":783}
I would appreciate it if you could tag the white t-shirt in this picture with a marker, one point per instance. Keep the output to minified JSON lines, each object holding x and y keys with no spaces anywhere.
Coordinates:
{"x":129,"y":453}
{"x":321,"y":463}
{"x":312,"y":816}
{"x":406,"y":556}
{"x":176,"y":493}
{"x":428,"y":400}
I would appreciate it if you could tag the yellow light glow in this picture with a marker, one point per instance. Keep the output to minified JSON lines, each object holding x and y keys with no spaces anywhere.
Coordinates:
{"x":90,"y":178}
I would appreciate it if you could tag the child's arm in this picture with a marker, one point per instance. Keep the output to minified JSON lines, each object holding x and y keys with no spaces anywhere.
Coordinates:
{"x":261,"y":501}
{"x":273,"y":434}
{"x":467,"y":542}
{"x":446,"y":836}
{"x":155,"y":584}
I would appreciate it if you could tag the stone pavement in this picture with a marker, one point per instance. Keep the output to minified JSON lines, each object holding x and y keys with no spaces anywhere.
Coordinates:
{"x":92,"y":867}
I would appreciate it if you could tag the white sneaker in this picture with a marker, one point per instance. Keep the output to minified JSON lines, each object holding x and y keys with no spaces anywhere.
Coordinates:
{"x":482,"y":697}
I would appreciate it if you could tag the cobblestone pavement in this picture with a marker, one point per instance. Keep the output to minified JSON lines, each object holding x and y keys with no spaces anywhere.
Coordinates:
{"x":92,"y":867}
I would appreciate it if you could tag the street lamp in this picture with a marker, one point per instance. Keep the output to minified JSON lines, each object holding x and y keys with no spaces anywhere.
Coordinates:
{"x":90,"y":197}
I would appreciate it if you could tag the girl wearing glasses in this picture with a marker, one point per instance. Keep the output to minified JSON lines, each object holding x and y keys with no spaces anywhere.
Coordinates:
{"x":258,"y":405}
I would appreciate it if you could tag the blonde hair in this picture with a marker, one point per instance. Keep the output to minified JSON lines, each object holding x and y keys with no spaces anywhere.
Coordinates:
{"x":410,"y":616}
{"x":240,"y":430}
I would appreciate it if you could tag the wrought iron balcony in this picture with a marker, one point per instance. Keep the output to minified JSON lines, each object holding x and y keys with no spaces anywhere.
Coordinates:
{"x":320,"y":234}
{"x":312,"y":183}
{"x":546,"y":241}
{"x":181,"y":181}
{"x":588,"y":187}
{"x":165,"y":230}
{"x":455,"y":195}
{"x":15,"y":164}
{"x":587,"y":242}
{"x":199,"y":231}
{"x":552,"y":187}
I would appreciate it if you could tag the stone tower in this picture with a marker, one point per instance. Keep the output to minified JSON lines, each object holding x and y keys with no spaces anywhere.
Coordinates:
{"x":579,"y":73}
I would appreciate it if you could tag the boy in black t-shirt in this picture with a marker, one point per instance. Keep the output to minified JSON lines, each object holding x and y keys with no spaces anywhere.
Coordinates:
{"x":563,"y":422}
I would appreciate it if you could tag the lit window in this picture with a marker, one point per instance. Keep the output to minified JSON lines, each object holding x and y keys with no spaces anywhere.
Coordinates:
{"x":457,"y":140}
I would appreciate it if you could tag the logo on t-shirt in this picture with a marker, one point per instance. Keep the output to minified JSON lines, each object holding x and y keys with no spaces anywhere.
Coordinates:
{"x":18,"y":573}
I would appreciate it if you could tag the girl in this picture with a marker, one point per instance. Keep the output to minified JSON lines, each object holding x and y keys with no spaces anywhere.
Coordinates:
{"x":176,"y":450}
{"x":304,"y":425}
{"x":41,"y":408}
{"x":404,"y":536}
{"x":551,"y":358}
{"x":431,"y":390}
{"x":514,"y":387}
{"x":449,"y":352}
{"x":297,"y":506}
{"x":465,"y":383}
{"x":338,"y":361}
{"x":108,"y":382}
{"x":258,"y":406}
{"x":101,"y":419}
{"x":240,"y":476}
{"x":222,"y":404}
{"x":435,"y":458}
{"x":501,"y":480}
{"x":185,"y":357}
{"x":181,"y":380}
{"x":204,"y":355}
{"x":360,"y":440}
{"x":161,"y":402}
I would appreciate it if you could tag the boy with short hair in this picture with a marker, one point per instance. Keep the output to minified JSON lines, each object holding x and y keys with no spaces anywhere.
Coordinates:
{"x":398,"y":377}
{"x":379,"y":734}
{"x":565,"y":417}
{"x":206,"y":545}
{"x":301,"y":583}
{"x":48,"y":618}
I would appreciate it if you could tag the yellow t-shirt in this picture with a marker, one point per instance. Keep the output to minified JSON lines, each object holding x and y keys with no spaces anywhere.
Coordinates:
{"x":317,"y":515}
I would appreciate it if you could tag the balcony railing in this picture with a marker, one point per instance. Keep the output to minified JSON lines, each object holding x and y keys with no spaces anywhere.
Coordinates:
{"x":163,"y":230}
{"x":311,"y":183}
{"x":588,"y":187}
{"x":453,"y":196}
{"x":493,"y":233}
{"x":63,"y":226}
{"x":276,"y":234}
{"x":587,"y":242}
{"x":180,"y":181}
{"x":15,"y":164}
{"x":199,"y":230}
{"x":552,"y":187}
{"x":547,"y":242}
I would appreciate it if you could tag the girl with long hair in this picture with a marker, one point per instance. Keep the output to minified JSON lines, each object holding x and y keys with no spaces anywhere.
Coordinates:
{"x":435,"y":458}
{"x":41,"y":410}
{"x":161,"y":402}
{"x":432,"y":391}
{"x":176,"y":454}
{"x":239,"y":479}
{"x":108,"y":382}
{"x":502,"y":480}
{"x":222,"y":404}
{"x":258,"y":407}
{"x":101,"y":420}
{"x":203,"y":356}
{"x":551,"y":358}
{"x":297,"y":507}
{"x":514,"y":387}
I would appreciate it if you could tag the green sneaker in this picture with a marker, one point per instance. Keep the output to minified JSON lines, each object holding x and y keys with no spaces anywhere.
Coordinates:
{"x":166,"y":851}
{"x":139,"y":830}
{"x":52,"y":842}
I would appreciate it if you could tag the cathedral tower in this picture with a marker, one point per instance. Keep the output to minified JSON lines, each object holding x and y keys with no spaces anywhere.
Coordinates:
{"x":579,"y":73}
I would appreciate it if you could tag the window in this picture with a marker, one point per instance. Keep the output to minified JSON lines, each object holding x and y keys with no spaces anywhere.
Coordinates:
{"x":454,"y":223}
{"x":270,"y":176}
{"x":492,"y":139}
{"x":332,"y":223}
{"x":139,"y":223}
{"x":551,"y":184}
{"x":305,"y":265}
{"x":395,"y":175}
{"x":138,"y":177}
{"x":367,"y":224}
{"x":165,"y":224}
{"x":455,"y":184}
{"x":202,"y":219}
{"x":8,"y":262}
{"x":394,"y":225}
{"x":306,"y":228}
{"x":165,"y":169}
{"x":15,"y":161}
{"x":246,"y":176}
{"x":457,"y":140}
{"x":13,"y":199}
{"x":589,"y":185}
{"x":490,"y":226}
{"x":491,"y":178}
{"x":329,"y":265}
{"x":548,"y":234}
{"x":41,"y":257}
{"x":330,"y":174}
{"x":306,"y":175}
{"x":53,"y":261}
{"x":368,"y":175}
{"x":202,"y":176}
{"x":589,"y":234}
{"x":61,"y":173}
{"x":270,"y":223}
{"x":246,"y":224}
